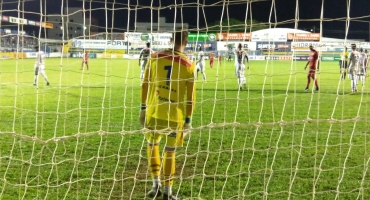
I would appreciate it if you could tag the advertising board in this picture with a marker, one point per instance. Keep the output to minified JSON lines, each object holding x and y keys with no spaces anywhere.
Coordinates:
{"x":223,"y":46}
{"x":80,"y":55}
{"x":201,"y":37}
{"x":233,"y":36}
{"x":304,"y":46}
{"x":99,"y":44}
{"x":303,"y":36}
{"x":271,"y":36}
{"x":274,"y":45}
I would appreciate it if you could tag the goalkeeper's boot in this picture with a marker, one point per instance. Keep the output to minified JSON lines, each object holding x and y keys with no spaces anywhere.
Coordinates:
{"x":154,"y":192}
{"x":170,"y":197}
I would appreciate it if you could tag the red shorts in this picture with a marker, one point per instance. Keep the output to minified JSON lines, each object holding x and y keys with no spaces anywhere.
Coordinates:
{"x":312,"y":73}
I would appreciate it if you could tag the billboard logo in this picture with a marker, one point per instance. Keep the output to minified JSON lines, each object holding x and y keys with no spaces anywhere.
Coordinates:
{"x":145,"y":37}
{"x":116,"y":43}
{"x":77,"y":44}
{"x":212,"y":37}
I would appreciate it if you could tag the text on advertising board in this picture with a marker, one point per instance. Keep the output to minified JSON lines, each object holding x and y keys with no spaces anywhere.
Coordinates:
{"x":234,"y":36}
{"x":304,"y":36}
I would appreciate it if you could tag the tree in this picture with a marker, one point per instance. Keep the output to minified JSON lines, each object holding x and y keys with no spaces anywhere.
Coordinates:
{"x":235,"y":25}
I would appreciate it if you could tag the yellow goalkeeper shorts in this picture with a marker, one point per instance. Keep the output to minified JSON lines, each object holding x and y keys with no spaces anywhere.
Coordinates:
{"x":172,"y":131}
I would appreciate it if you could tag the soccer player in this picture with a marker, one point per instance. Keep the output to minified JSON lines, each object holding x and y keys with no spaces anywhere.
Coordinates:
{"x":343,"y":63}
{"x":361,"y":73}
{"x":230,"y":53}
{"x":240,"y":57}
{"x":313,"y":62}
{"x":168,"y":80}
{"x":85,"y":60}
{"x":367,"y":61}
{"x":190,"y":55}
{"x":353,"y":67}
{"x":201,"y":64}
{"x":211,"y":59}
{"x":145,"y":53}
{"x":40,"y":66}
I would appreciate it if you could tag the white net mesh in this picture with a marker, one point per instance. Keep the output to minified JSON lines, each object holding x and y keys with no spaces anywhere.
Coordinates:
{"x":79,"y":137}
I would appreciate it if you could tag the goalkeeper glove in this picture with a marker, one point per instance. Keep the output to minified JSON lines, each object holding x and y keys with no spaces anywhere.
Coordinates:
{"x":142,"y":115}
{"x":187,"y":125}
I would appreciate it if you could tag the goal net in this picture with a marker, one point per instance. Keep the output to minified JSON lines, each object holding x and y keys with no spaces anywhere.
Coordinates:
{"x":75,"y":132}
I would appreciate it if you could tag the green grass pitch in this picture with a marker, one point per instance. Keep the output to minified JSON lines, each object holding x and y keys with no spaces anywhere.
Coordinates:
{"x":79,"y":138}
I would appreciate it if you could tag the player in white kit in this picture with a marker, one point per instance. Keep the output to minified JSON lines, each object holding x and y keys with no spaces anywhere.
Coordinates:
{"x":190,"y":55}
{"x":362,"y":60}
{"x":240,"y":57}
{"x":353,"y":67}
{"x":40,"y":66}
{"x":143,"y":59}
{"x":201,"y":64}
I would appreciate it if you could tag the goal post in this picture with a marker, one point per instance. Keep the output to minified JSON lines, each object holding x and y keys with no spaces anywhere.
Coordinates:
{"x":256,"y":132}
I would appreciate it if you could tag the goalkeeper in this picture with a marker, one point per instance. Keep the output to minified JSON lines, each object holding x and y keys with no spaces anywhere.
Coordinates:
{"x":168,"y":79}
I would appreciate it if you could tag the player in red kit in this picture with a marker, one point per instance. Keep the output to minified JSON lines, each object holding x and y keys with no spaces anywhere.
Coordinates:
{"x":313,"y":62}
{"x":85,"y":60}
{"x":211,"y":59}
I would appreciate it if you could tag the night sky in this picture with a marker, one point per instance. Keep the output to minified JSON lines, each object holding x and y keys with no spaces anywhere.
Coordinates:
{"x":334,"y":13}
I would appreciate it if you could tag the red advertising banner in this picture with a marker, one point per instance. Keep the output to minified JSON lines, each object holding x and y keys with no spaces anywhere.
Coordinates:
{"x":233,"y":36}
{"x":303,"y":37}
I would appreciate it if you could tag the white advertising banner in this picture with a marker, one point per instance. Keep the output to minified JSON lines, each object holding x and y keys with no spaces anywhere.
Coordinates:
{"x":260,"y":57}
{"x":164,"y":37}
{"x":133,"y":36}
{"x":31,"y":55}
{"x":49,"y":55}
{"x":223,"y":46}
{"x":265,"y":37}
{"x":147,"y":37}
{"x":325,"y":46}
{"x":99,"y":44}
{"x":17,"y":20}
{"x":304,"y":46}
{"x":157,"y":40}
{"x":33,"y":23}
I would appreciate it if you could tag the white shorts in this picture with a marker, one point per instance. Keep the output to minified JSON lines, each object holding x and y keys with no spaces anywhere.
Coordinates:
{"x":39,"y":67}
{"x":240,"y":69}
{"x":143,"y":64}
{"x":40,"y":70}
{"x":361,"y":71}
{"x":201,"y":66}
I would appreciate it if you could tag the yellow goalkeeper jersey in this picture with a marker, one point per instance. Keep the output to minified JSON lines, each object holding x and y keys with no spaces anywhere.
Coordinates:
{"x":168,"y":72}
{"x":344,"y":56}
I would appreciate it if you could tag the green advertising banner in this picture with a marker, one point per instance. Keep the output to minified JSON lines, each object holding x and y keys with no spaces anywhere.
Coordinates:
{"x":330,"y":58}
{"x":208,"y":37}
{"x":327,"y":58}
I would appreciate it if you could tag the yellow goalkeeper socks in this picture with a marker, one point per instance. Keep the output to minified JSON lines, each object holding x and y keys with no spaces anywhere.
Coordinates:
{"x":154,"y":163}
{"x":168,"y":169}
